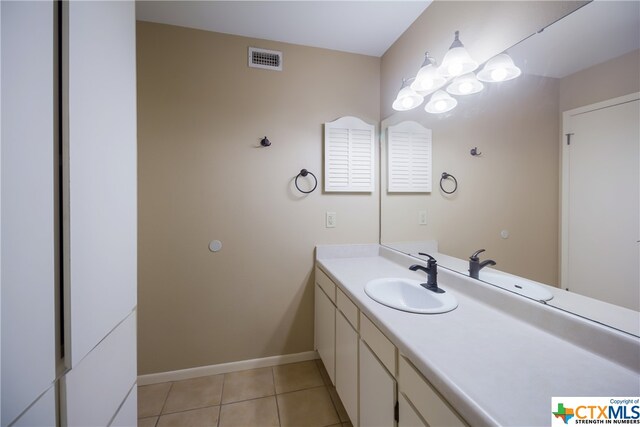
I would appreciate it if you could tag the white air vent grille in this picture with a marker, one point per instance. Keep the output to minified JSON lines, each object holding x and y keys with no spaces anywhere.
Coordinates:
{"x":266,"y":59}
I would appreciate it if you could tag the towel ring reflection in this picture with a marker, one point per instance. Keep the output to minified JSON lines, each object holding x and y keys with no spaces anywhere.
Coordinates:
{"x":447,"y":176}
{"x":304,"y":173}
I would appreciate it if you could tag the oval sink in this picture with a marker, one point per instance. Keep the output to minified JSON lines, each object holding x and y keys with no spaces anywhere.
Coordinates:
{"x":516,"y":284}
{"x":408,"y":295}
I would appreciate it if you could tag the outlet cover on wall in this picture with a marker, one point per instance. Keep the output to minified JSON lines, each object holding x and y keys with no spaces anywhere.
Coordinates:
{"x":331,"y":220}
{"x":422,"y":217}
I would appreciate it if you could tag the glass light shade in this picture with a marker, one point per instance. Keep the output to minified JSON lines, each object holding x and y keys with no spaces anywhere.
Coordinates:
{"x":465,"y":85}
{"x":457,"y":62}
{"x":407,"y":99}
{"x":428,"y":79}
{"x":499,"y":69}
{"x":440,"y":102}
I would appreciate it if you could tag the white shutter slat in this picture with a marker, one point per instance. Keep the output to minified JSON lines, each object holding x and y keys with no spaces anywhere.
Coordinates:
{"x":349,"y":152}
{"x":409,"y":159}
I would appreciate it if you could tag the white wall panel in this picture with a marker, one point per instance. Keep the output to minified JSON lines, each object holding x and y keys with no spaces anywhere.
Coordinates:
{"x":127,"y":416}
{"x":102,"y":169}
{"x":0,"y":206}
{"x":27,"y":266}
{"x":96,"y":387}
{"x":42,"y":413}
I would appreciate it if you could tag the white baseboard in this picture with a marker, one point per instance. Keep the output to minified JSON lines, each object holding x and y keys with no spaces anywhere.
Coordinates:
{"x":200,"y":371}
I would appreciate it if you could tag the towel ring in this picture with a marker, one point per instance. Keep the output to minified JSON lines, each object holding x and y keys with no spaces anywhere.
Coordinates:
{"x":304,"y":173}
{"x":447,"y":176}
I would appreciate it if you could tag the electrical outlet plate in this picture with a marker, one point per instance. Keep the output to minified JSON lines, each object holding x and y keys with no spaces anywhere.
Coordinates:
{"x":331,"y":220}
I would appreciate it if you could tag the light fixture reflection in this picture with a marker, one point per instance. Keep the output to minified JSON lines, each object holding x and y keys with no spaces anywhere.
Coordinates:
{"x":466,"y":84}
{"x":500,"y":68}
{"x":440,"y":102}
{"x":428,"y":79}
{"x":457,"y":60}
{"x":407,"y":98}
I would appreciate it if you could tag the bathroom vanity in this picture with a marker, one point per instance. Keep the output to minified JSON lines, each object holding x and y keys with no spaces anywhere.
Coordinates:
{"x":496,"y":359}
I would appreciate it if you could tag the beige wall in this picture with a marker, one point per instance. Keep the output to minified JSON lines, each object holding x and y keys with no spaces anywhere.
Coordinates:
{"x":616,"y":77}
{"x":486,"y":29}
{"x":202,"y":112}
{"x":512,"y":186}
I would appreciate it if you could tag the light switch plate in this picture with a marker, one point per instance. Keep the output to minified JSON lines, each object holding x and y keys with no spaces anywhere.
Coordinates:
{"x":422,"y":217}
{"x":331,"y":220}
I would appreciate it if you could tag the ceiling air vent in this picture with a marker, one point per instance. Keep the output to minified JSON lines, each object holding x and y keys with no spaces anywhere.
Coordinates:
{"x":263,"y":58}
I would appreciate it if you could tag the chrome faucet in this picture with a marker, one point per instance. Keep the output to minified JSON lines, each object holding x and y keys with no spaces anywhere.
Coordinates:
{"x":475,"y":265}
{"x":432,"y":274}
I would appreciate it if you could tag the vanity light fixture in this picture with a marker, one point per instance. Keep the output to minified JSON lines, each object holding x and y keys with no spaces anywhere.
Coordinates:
{"x":457,"y":60}
{"x":407,"y":98}
{"x":440,"y":102}
{"x":428,"y":79}
{"x":465,"y":84}
{"x":500,"y":68}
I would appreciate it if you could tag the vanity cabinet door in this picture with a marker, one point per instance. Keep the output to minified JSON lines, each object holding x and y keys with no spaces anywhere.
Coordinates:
{"x":347,"y":366}
{"x":425,"y":398}
{"x":407,"y":416}
{"x":377,"y":391}
{"x":325,"y":331}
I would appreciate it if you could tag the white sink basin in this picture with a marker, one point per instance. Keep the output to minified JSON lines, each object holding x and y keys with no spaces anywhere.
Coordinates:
{"x":408,"y":295}
{"x":516,"y":284}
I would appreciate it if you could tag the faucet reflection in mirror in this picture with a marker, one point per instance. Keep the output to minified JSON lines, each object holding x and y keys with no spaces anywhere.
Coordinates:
{"x":457,"y":67}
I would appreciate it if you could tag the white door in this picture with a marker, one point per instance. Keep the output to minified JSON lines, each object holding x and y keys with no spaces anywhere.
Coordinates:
{"x":102,"y":181}
{"x":602,"y":185}
{"x":101,"y":254}
{"x":28,"y":257}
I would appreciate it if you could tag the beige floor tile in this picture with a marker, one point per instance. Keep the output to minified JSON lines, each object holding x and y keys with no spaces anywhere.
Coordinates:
{"x":194,"y":393}
{"x":323,"y":373}
{"x":297,"y":376}
{"x":342,"y":413}
{"x":205,"y":417}
{"x":151,"y":398}
{"x":147,"y":422}
{"x":245,"y":385}
{"x":311,"y":407}
{"x":250,"y":413}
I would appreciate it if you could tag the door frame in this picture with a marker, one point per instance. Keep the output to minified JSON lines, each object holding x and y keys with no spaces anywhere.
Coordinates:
{"x":564,"y":175}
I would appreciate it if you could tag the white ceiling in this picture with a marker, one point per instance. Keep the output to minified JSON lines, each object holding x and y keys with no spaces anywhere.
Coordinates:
{"x":365,"y":27}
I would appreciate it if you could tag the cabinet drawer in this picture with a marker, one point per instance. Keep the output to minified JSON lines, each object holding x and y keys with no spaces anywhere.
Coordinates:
{"x":381,"y":346}
{"x":347,"y":308}
{"x":326,"y":284}
{"x":425,"y":398}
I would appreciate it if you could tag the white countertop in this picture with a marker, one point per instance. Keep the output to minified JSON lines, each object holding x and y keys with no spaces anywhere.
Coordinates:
{"x":497,"y":358}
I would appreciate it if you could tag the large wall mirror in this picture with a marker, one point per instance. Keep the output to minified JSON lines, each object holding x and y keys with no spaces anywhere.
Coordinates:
{"x":541,"y":207}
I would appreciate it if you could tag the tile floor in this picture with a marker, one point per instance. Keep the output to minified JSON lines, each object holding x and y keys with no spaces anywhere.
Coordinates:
{"x":297,"y":395}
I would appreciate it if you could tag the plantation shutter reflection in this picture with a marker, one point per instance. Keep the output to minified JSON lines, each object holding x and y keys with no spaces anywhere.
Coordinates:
{"x":409,"y":158}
